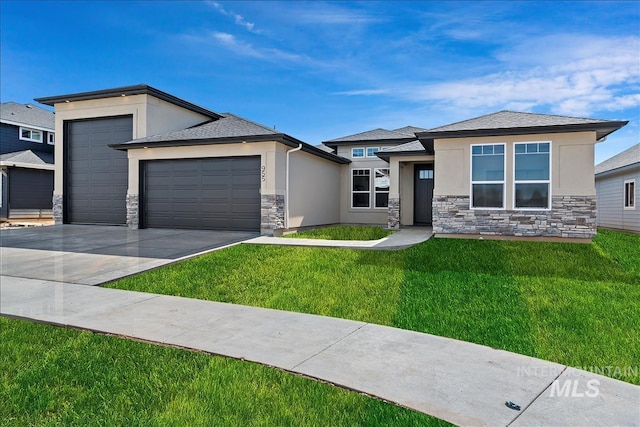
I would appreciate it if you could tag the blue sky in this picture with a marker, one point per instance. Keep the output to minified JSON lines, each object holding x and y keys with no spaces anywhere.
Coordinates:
{"x":321,"y":70}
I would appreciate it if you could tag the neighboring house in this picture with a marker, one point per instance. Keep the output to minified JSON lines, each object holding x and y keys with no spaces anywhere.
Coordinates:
{"x":617,"y":181}
{"x":27,"y":141}
{"x":142,"y":157}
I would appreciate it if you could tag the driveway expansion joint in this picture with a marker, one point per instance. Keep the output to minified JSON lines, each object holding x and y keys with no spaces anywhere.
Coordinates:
{"x":329,"y":346}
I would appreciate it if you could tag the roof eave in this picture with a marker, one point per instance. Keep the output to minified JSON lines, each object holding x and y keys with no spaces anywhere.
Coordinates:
{"x":387,"y":155}
{"x":601,"y":129}
{"x":620,"y":169}
{"x":334,"y":144}
{"x":128,"y":91}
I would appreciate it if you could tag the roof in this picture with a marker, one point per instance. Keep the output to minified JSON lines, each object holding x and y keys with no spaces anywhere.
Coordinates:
{"x":324,"y":148}
{"x":407,"y":149}
{"x":517,"y":123}
{"x":410,"y":130}
{"x":26,"y":158}
{"x":629,"y":157}
{"x":128,"y":91}
{"x":226,"y":130}
{"x":371,"y":135}
{"x":15,"y":113}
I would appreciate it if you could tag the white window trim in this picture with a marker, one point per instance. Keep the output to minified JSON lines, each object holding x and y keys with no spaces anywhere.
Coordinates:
{"x":503,"y":182}
{"x":624,"y":195}
{"x":30,"y":139}
{"x":513,"y":193}
{"x":360,"y":192}
{"x":380,"y":192}
{"x":364,"y":153}
{"x":51,"y":135}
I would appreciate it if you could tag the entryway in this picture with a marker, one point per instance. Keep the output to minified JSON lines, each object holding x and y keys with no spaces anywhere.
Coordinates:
{"x":423,"y":194}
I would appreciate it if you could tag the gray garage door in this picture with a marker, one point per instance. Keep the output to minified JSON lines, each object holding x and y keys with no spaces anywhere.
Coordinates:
{"x":211,"y":193}
{"x":30,"y":188}
{"x":96,"y":174}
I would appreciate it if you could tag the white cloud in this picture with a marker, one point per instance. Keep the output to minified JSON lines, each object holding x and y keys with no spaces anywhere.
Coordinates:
{"x":574,"y":76}
{"x":239,"y":47}
{"x":238,"y":19}
{"x":363,"y":92}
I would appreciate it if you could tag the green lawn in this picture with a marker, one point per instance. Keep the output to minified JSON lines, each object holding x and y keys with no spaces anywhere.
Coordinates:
{"x":574,"y":304}
{"x":51,"y":376}
{"x":343,"y":232}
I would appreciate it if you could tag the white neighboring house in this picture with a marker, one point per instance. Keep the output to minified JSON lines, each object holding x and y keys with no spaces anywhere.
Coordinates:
{"x":617,"y":181}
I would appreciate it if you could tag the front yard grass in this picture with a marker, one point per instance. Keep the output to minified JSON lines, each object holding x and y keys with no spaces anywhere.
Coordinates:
{"x":574,"y":304}
{"x":343,"y":232}
{"x":54,"y":376}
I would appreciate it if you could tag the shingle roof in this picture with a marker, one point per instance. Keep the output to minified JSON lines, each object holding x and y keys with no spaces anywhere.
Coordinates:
{"x":410,"y":130}
{"x":27,"y":114}
{"x":228,"y":126}
{"x":407,"y":146}
{"x":372,"y":135}
{"x":28,"y":157}
{"x":512,"y":122}
{"x":628,"y":157}
{"x":324,"y":148}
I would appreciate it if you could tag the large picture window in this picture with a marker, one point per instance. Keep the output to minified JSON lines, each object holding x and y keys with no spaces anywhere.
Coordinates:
{"x":532,"y":175}
{"x":381,"y":188}
{"x":487,"y":176}
{"x":361,"y":188}
{"x":630,"y":194}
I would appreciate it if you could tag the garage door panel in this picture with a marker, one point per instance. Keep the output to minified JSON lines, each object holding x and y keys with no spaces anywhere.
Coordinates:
{"x":203,"y":193}
{"x":97,"y":175}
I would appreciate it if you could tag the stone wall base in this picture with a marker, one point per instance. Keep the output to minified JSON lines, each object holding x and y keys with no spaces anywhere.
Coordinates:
{"x":394,"y":214}
{"x":272,"y":214}
{"x":133,"y":212}
{"x":570,"y":216}
{"x":57,"y":209}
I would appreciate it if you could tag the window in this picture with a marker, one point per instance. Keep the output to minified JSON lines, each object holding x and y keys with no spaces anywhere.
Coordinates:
{"x":425,"y":174}
{"x":371,"y":151}
{"x":381,"y":188}
{"x":51,"y":138}
{"x":532,"y":175}
{"x":357,"y":153}
{"x":487,"y":176}
{"x":361,"y":188}
{"x":32,"y":135}
{"x":630,"y":194}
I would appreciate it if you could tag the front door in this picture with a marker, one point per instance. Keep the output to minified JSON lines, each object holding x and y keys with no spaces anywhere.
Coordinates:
{"x":423,"y":194}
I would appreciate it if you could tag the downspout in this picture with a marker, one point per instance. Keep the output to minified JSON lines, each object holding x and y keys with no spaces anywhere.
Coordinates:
{"x":286,"y":188}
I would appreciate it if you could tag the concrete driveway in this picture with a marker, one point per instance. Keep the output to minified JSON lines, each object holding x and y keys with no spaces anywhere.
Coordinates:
{"x":91,"y":255}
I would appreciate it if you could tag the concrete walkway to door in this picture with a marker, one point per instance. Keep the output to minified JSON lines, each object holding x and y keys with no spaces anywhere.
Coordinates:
{"x":94,"y":254}
{"x":459,"y":382}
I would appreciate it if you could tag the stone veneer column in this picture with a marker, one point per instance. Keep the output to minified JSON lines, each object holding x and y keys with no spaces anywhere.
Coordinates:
{"x":393,"y":221}
{"x":570,"y":216}
{"x":271,"y":214}
{"x":57,"y":209}
{"x":133,"y":212}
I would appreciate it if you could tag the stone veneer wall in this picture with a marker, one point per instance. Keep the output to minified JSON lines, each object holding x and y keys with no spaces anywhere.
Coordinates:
{"x":133,"y":212}
{"x":394,"y":213}
{"x":57,"y":209}
{"x":570,"y":216}
{"x":271,"y":213}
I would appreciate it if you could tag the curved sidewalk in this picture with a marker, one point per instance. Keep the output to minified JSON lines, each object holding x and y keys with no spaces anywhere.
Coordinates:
{"x":459,"y":382}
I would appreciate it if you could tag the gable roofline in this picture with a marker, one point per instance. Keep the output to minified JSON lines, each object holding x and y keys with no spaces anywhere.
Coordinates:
{"x":370,"y":136}
{"x":623,"y":161}
{"x":141,"y":89}
{"x":278,"y":137}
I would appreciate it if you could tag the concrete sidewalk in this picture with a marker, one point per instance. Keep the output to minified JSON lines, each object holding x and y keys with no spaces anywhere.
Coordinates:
{"x":401,"y":239}
{"x":456,"y":381}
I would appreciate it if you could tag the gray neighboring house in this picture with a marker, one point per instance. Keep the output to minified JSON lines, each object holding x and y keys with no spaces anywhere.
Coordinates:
{"x":27,"y":138}
{"x":617,"y":181}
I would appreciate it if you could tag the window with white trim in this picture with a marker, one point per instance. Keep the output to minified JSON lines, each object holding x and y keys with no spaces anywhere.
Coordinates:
{"x":357,"y":153}
{"x":381,"y":183}
{"x":371,"y":151}
{"x":32,"y":135}
{"x":630,"y":194}
{"x":487,"y":176}
{"x":51,"y":138}
{"x":532,"y":175}
{"x":361,"y":188}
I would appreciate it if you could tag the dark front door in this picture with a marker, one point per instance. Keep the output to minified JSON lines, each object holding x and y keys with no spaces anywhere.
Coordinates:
{"x":423,"y":194}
